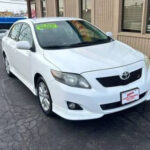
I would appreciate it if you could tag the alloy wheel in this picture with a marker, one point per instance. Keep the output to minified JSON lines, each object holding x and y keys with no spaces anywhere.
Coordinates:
{"x":7,"y":66}
{"x":44,"y":96}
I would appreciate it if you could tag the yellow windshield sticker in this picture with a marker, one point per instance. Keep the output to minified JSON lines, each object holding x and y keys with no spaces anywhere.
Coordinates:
{"x":46,"y":26}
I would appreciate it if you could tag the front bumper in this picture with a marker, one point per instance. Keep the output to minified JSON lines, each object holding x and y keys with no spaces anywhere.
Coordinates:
{"x":87,"y":115}
{"x":92,"y":99}
{"x":89,"y":100}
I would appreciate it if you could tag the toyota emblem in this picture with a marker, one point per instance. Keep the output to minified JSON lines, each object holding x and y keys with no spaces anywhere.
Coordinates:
{"x":125,"y":76}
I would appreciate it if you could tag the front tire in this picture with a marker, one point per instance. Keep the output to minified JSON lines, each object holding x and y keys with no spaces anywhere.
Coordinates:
{"x":44,"y":97}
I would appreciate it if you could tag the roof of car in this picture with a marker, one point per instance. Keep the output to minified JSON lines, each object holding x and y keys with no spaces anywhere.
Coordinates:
{"x":49,"y":19}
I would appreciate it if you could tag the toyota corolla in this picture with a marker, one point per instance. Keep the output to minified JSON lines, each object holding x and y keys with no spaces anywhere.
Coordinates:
{"x":76,"y":70}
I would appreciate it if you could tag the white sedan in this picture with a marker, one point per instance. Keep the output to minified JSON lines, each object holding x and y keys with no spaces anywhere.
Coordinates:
{"x":76,"y":70}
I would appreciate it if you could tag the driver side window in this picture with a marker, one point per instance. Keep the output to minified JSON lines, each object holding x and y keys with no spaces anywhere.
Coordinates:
{"x":26,"y":34}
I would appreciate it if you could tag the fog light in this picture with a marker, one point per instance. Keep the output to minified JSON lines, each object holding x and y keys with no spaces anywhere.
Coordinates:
{"x":74,"y":106}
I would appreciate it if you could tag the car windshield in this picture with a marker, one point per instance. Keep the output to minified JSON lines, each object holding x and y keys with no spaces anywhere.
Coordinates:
{"x":69,"y":34}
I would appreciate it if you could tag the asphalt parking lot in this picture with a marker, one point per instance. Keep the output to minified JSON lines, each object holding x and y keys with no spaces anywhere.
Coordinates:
{"x":23,"y":126}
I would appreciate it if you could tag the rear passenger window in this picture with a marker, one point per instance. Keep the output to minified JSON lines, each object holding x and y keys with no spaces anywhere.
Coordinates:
{"x":26,"y":34}
{"x":14,"y":33}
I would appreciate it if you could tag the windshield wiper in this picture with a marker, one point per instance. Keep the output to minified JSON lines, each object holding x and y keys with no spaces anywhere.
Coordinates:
{"x":99,"y":41}
{"x":66,"y":46}
{"x":80,"y":44}
{"x":54,"y":47}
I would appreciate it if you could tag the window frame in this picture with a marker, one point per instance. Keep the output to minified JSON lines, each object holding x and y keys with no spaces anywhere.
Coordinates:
{"x":147,"y":3}
{"x":81,"y":11}
{"x":33,"y":2}
{"x":57,"y":8}
{"x":122,"y":20}
{"x":41,"y":4}
{"x":118,"y":33}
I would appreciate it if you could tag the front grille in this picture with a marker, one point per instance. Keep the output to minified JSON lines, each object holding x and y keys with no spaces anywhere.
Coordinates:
{"x":117,"y":81}
{"x":117,"y":104}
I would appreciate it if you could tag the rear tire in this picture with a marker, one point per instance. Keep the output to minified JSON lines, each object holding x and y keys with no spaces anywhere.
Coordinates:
{"x":7,"y":67}
{"x":44,"y":97}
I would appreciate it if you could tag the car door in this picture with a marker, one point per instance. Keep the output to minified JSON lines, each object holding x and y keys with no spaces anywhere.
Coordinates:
{"x":23,"y":56}
{"x":10,"y":43}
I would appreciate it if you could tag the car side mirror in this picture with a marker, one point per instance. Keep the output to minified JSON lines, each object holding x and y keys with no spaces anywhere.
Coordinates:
{"x":109,"y":34}
{"x":24,"y":45}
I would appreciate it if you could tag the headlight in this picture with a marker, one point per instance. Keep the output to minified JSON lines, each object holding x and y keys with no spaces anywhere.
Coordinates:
{"x":147,"y":61}
{"x":70,"y":79}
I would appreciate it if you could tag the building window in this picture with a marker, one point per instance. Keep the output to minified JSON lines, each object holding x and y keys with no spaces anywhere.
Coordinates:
{"x":33,"y":9}
{"x":43,"y":8}
{"x":60,"y":8}
{"x":132,"y":15}
{"x":86,"y":10}
{"x":148,"y":18}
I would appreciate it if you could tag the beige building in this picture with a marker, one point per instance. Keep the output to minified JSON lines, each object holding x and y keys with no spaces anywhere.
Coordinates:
{"x":129,"y":20}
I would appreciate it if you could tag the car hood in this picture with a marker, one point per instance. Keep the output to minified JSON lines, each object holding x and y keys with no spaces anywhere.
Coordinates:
{"x":92,"y":58}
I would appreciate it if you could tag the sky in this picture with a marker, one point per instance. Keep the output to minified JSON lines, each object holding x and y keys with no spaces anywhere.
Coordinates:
{"x":13,"y":5}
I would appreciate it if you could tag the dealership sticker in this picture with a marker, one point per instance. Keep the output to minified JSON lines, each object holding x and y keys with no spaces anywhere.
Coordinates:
{"x":130,"y":96}
{"x":46,"y":26}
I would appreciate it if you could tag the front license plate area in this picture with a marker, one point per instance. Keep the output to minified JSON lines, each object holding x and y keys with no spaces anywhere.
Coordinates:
{"x":130,"y":96}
